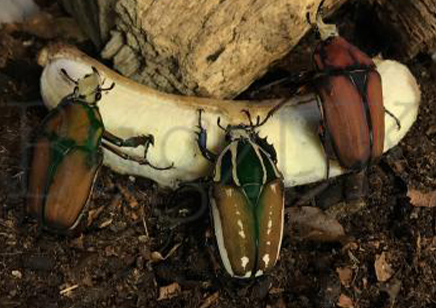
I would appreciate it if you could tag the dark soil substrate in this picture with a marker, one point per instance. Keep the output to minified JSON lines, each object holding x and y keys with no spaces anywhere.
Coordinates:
{"x":115,"y":264}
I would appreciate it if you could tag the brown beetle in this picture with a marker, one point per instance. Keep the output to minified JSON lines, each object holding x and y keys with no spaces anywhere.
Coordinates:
{"x":350,"y":101}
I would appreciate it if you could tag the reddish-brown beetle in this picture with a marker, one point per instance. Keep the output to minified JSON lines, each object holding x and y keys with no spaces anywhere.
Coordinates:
{"x":350,"y":100}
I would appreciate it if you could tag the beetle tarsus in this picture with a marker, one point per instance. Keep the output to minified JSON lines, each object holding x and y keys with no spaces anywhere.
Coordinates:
{"x":149,"y":140}
{"x":397,"y":121}
{"x":218,"y":122}
{"x":147,"y":163}
{"x":202,"y":140}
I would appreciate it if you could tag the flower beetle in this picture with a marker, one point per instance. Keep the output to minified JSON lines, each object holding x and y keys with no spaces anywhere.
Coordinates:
{"x":350,"y":101}
{"x":247,"y":200}
{"x":67,"y":155}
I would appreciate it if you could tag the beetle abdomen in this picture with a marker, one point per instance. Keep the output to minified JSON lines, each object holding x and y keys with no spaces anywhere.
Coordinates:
{"x":249,"y":236}
{"x":377,"y":111}
{"x":38,"y":177}
{"x":70,"y":187}
{"x":270,"y":216}
{"x":344,"y":113}
{"x":235,"y":229}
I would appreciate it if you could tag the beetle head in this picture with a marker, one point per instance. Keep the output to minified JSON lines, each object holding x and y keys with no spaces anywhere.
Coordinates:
{"x":245,"y":131}
{"x":89,"y":87}
{"x":325,"y":30}
{"x":237,"y":132}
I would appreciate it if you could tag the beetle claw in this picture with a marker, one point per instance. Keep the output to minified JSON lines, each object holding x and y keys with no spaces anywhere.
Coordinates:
{"x":146,"y":162}
{"x":218,"y":122}
{"x":150,"y":139}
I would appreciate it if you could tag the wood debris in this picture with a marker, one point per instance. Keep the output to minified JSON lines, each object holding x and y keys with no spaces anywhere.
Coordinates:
{"x":169,"y":291}
{"x":418,"y":198}
{"x":210,"y":300}
{"x":311,"y":223}
{"x":345,"y":275}
{"x":68,"y":290}
{"x":345,"y":301}
{"x":383,"y":270}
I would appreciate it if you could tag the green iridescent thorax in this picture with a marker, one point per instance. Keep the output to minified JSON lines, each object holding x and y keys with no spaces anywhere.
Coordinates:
{"x":74,"y":125}
{"x":245,"y":164}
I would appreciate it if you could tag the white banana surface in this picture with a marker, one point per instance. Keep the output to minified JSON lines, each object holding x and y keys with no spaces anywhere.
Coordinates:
{"x":132,"y":109}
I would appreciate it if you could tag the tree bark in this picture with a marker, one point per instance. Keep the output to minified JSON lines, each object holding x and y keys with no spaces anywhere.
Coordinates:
{"x":209,"y":48}
{"x":95,"y":17}
{"x":410,"y":25}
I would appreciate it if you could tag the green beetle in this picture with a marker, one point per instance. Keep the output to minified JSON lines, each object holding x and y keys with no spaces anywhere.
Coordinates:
{"x":247,"y":200}
{"x":67,"y":155}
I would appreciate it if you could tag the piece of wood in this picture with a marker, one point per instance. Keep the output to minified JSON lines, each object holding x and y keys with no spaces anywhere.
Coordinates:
{"x":410,"y":25}
{"x":210,"y":48}
{"x":95,"y":17}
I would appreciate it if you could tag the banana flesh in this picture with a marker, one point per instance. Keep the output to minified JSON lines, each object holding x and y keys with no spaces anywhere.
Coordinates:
{"x":132,"y":109}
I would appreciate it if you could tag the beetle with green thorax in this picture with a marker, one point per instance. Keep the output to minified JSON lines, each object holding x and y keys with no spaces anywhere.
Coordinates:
{"x":67,"y":155}
{"x":247,"y":200}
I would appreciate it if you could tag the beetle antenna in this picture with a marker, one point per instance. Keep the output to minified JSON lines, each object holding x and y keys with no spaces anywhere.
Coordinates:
{"x":64,"y":72}
{"x":271,"y":112}
{"x":218,"y":122}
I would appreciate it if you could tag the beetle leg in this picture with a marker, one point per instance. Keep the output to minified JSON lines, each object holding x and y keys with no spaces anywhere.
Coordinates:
{"x":202,"y":141}
{"x":393,"y":117}
{"x":132,"y":142}
{"x":141,"y":161}
{"x":308,"y":196}
{"x":323,"y":136}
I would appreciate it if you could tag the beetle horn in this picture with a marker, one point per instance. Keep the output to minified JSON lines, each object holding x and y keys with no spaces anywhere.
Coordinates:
{"x":108,"y":88}
{"x":95,"y":70}
{"x":64,"y":72}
